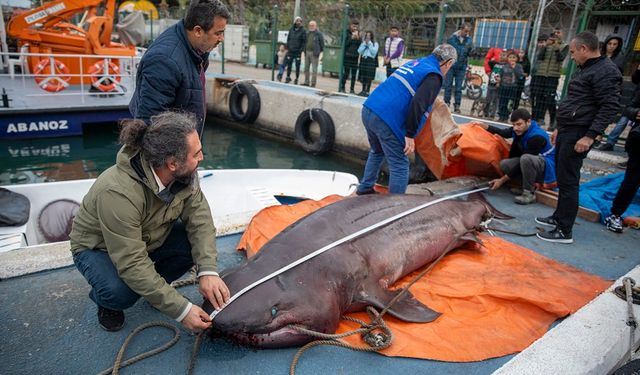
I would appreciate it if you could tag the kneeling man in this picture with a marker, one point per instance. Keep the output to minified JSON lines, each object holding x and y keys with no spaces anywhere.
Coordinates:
{"x":532,"y":156}
{"x":145,"y":222}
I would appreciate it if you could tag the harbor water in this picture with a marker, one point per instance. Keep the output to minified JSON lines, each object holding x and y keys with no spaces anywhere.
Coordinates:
{"x":71,"y":158}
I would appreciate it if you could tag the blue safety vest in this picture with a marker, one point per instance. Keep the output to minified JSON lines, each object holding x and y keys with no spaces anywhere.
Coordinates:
{"x":548,"y":152}
{"x":391,"y":99}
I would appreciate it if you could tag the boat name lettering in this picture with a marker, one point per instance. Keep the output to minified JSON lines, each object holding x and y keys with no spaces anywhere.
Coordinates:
{"x":43,"y":13}
{"x":56,"y":150}
{"x":23,"y":127}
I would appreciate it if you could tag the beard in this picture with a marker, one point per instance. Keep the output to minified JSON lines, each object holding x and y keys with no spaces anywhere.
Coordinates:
{"x":186,"y":177}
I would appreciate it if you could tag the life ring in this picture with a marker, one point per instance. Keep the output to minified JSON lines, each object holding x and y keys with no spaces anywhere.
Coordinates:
{"x":52,"y":75}
{"x":239,"y":91}
{"x":315,"y":143}
{"x":105,"y":80}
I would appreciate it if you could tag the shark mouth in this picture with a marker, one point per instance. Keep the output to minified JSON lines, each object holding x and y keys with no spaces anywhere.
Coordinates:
{"x":282,"y":337}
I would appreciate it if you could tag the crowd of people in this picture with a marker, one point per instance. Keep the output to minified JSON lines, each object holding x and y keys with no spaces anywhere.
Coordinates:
{"x":145,"y":221}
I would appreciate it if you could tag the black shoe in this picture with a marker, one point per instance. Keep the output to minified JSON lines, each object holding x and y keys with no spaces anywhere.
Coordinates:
{"x":341,"y":90}
{"x":352,"y":92}
{"x":456,"y":109}
{"x":110,"y":320}
{"x":604,"y":147}
{"x":304,"y":84}
{"x":366,"y":192}
{"x":295,"y":81}
{"x":622,"y":165}
{"x":556,"y":235}
{"x":550,"y":221}
{"x":287,"y":80}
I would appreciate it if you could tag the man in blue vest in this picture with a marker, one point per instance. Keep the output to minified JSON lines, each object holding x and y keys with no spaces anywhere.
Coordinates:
{"x":531,"y":158}
{"x":396,"y":111}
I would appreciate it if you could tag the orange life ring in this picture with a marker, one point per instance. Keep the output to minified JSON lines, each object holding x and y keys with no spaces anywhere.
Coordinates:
{"x":105,"y":81}
{"x":52,"y":75}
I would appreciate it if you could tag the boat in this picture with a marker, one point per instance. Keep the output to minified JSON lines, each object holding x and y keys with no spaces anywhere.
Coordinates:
{"x":234,"y":196}
{"x":63,"y":75}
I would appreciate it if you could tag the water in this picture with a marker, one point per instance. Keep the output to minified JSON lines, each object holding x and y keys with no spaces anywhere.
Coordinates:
{"x":71,"y":158}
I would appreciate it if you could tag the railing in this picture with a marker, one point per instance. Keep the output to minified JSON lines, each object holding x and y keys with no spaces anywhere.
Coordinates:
{"x":54,"y":81}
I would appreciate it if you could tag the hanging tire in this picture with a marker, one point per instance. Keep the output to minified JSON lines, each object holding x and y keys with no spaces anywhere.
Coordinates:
{"x":315,"y":143}
{"x":239,"y":91}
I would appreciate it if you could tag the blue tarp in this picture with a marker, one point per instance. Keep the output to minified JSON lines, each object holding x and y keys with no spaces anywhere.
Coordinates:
{"x":598,"y":195}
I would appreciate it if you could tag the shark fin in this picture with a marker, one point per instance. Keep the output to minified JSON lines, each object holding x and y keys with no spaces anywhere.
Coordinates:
{"x":471,"y":236}
{"x":405,"y":308}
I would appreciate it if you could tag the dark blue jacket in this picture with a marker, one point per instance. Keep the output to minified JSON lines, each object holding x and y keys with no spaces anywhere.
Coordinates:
{"x":462,"y":48}
{"x":169,"y":77}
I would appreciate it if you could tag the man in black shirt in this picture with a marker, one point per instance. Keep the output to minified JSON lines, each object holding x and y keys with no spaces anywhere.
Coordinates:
{"x":591,"y":104}
{"x":531,"y":157}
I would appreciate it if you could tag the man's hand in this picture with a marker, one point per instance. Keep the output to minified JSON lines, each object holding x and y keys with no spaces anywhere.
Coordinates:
{"x":496,"y":183}
{"x":197,"y":320}
{"x":583,"y":144}
{"x":554,"y":135}
{"x":214,"y":289}
{"x":409,"y":145}
{"x":386,"y":60}
{"x":638,"y":114}
{"x":481,"y":124}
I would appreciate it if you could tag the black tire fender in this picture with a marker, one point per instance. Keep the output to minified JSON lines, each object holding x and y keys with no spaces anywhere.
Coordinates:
{"x":320,"y":144}
{"x":238,"y":92}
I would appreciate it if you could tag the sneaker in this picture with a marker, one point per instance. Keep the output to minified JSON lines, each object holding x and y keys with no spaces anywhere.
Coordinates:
{"x":366,"y":192}
{"x":295,"y":81}
{"x":515,"y":191}
{"x":527,"y":197}
{"x":279,"y":77}
{"x":110,"y":320}
{"x":614,"y":223}
{"x":622,"y":165}
{"x":304,"y":84}
{"x":456,"y":109}
{"x":604,"y":147}
{"x":352,"y":92}
{"x":550,"y":221}
{"x":341,"y":90}
{"x":287,"y":80}
{"x":555,"y":235}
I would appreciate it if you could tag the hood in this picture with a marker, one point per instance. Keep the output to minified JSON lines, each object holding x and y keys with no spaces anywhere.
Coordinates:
{"x":604,"y":45}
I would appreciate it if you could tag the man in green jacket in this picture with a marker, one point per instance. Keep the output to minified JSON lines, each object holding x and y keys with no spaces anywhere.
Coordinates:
{"x":145,"y":222}
{"x":544,"y":84}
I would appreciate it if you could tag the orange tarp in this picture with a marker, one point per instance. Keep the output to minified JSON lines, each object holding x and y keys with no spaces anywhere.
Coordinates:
{"x":495,"y":299}
{"x":450,"y":150}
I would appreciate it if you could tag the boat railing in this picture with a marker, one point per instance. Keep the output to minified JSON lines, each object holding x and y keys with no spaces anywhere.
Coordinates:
{"x":118,"y":81}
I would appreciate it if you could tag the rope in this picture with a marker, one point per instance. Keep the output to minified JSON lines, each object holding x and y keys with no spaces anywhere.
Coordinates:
{"x":118,"y":364}
{"x":629,"y":283}
{"x":538,"y":230}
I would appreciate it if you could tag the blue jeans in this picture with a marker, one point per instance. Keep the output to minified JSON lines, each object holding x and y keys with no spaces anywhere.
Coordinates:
{"x":171,"y":260}
{"x":612,"y":138}
{"x":384,"y":144}
{"x":458,"y":74}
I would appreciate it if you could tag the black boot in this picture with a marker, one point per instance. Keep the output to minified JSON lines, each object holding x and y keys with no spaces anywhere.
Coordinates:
{"x":110,"y":320}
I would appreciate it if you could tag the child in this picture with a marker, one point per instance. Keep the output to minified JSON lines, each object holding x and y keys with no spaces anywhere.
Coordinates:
{"x":282,"y":53}
{"x":510,"y":75}
{"x":492,"y":89}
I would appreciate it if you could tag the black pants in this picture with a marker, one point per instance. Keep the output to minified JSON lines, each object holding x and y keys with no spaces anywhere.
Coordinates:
{"x":631,"y":182}
{"x":289,"y":60}
{"x":568,"y":164}
{"x":350,"y":69}
{"x":543,"y":94}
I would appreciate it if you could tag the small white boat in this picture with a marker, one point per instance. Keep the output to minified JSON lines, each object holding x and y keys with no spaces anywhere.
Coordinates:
{"x":234,"y":196}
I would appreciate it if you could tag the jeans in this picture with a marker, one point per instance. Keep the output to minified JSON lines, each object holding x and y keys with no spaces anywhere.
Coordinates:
{"x":384,"y":145}
{"x":456,"y":73}
{"x":627,"y":191}
{"x":529,"y":167}
{"x":568,"y":164}
{"x":612,"y":137}
{"x":171,"y":260}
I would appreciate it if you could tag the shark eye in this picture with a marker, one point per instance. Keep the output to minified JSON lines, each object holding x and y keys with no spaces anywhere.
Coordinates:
{"x":274,"y":311}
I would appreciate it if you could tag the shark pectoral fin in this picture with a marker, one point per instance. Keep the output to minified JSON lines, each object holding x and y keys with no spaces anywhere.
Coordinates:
{"x":406,"y":307}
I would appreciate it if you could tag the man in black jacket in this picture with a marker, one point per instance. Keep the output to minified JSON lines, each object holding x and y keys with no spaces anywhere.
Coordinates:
{"x":590,"y":106}
{"x":296,"y":41}
{"x":351,"y":42}
{"x":171,"y":74}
